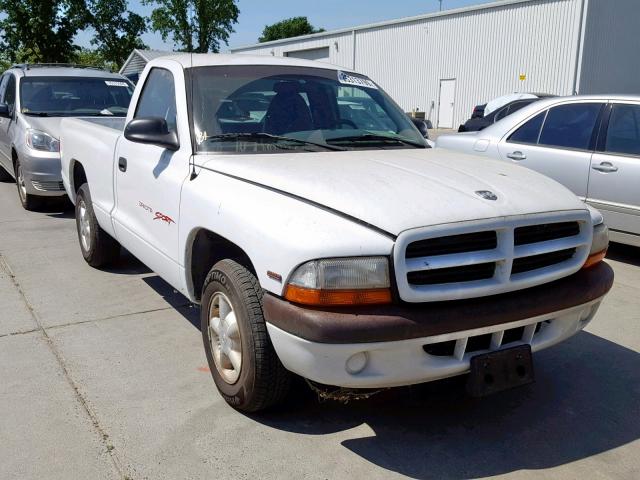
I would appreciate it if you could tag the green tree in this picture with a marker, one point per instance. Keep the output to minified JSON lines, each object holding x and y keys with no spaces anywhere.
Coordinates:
{"x":94,"y":58}
{"x":117,"y":30}
{"x":290,"y":27}
{"x":45,"y":27}
{"x":194,"y":25}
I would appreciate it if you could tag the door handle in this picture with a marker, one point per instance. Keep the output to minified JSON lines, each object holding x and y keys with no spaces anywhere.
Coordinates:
{"x":606,"y":167}
{"x":518,"y":156}
{"x":122,"y":164}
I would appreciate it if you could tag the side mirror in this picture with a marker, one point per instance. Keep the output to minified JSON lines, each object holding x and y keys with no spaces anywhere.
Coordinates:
{"x":421,"y":125}
{"x":4,"y":111}
{"x":153,"y":131}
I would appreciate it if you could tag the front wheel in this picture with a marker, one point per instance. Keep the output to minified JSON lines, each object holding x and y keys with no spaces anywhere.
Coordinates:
{"x":28,"y":201}
{"x":243,"y":363}
{"x":97,"y":246}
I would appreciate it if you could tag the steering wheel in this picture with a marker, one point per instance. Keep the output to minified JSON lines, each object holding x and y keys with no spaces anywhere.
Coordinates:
{"x":344,"y":121}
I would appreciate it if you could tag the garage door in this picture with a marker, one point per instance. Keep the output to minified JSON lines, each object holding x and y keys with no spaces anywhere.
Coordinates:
{"x":318,"y":54}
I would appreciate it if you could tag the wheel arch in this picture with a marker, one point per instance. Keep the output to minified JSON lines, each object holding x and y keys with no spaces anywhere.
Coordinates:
{"x":77,"y":176}
{"x":204,"y":249}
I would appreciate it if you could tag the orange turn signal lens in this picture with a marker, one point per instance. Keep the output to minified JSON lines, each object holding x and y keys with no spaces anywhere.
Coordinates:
{"x":595,"y":259}
{"x":327,"y":298}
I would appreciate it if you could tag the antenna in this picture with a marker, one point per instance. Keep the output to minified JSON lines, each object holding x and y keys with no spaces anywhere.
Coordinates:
{"x":440,"y":4}
{"x":194,"y":174}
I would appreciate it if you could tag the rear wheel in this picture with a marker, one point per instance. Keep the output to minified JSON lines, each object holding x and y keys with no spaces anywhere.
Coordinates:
{"x":243,"y":363}
{"x":28,"y":201}
{"x":97,"y":246}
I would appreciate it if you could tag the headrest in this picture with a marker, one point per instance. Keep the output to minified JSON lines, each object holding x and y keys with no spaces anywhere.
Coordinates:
{"x":286,"y":87}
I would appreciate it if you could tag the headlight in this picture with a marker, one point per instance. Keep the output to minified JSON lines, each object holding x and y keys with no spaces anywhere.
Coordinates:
{"x":599,"y":246}
{"x":39,"y":140}
{"x":341,"y":281}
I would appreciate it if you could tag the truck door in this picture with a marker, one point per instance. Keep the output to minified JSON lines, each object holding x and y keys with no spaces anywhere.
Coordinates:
{"x":614,"y":179}
{"x":149,"y":178}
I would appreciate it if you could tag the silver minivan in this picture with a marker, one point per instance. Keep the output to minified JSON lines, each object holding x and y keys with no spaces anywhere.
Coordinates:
{"x":33,"y":100}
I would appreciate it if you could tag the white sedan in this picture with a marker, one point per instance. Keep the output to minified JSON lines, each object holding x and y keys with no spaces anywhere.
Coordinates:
{"x":591,"y":144}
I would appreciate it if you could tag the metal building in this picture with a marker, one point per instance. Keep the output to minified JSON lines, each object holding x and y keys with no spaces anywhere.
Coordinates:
{"x":445,"y":63}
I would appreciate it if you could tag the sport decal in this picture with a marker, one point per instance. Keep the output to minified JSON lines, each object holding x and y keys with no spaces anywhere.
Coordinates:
{"x":158,"y":215}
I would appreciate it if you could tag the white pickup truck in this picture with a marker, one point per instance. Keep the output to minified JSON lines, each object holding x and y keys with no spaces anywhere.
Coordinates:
{"x":299,"y":206}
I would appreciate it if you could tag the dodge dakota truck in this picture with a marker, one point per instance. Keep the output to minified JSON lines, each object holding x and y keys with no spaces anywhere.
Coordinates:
{"x":325,"y":239}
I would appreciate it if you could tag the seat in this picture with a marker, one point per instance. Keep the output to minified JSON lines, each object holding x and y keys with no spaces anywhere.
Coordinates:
{"x":288,"y":112}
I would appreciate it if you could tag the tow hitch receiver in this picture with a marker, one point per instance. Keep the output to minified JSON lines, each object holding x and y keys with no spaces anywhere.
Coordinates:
{"x":501,"y":370}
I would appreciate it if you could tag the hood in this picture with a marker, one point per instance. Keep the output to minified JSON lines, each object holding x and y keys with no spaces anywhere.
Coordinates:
{"x":396,"y":190}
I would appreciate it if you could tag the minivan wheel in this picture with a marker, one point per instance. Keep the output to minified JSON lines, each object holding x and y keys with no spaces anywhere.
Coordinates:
{"x":28,"y":201}
{"x":97,"y":246}
{"x":242,"y":360}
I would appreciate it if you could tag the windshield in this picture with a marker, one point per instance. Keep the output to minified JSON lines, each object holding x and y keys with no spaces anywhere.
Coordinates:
{"x":258,"y":109}
{"x":74,"y":96}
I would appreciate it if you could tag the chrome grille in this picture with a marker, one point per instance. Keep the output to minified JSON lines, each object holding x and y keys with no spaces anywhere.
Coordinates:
{"x":487,"y":257}
{"x":48,"y":186}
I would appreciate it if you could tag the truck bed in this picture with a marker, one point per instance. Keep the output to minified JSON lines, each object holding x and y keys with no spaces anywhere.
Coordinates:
{"x":92,"y":143}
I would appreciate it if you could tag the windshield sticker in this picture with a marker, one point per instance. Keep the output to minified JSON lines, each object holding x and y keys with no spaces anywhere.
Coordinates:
{"x":348,"y":79}
{"x":112,"y":83}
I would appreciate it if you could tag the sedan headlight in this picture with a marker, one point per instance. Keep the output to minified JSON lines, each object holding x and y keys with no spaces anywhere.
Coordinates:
{"x":341,"y":281}
{"x":42,"y":141}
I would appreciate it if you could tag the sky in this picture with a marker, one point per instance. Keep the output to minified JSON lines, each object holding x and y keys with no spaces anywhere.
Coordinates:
{"x":328,"y":14}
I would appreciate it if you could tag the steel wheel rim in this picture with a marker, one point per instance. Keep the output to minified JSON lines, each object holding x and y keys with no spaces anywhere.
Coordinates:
{"x":85,"y":226}
{"x":22,"y":187}
{"x":224,"y":338}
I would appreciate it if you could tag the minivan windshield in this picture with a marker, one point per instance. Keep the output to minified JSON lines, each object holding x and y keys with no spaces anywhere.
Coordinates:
{"x":74,"y":96}
{"x":258,"y":109}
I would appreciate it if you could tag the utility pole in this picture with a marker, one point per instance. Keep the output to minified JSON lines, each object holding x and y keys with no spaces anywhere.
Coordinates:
{"x":440,"y":4}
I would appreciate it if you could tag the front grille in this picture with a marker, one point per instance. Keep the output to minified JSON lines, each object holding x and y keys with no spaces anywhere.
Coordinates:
{"x":545,"y":232}
{"x":475,"y":344}
{"x":468,"y":242}
{"x":528,"y":264}
{"x":450,"y":262}
{"x":48,"y":186}
{"x":452,"y":274}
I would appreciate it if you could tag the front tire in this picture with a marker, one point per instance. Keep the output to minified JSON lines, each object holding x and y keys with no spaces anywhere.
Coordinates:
{"x":243,"y":363}
{"x":97,"y":246}
{"x":28,"y":201}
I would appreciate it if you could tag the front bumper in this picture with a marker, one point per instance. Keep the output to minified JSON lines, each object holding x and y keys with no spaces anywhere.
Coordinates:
{"x":404,"y":345}
{"x":42,"y":173}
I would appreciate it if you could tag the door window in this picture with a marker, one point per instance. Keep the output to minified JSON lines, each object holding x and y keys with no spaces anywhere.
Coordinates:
{"x":530,"y":131}
{"x":623,"y":134}
{"x":10,"y":93}
{"x":570,"y":126}
{"x":158,"y":97}
{"x":3,"y":85}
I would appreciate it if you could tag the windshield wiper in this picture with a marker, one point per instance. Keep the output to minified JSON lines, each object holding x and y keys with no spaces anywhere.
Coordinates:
{"x":229,"y":137}
{"x":37,"y":114}
{"x":372,"y":136}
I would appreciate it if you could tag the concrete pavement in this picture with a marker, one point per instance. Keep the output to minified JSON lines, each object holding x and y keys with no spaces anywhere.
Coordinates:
{"x":103,"y":375}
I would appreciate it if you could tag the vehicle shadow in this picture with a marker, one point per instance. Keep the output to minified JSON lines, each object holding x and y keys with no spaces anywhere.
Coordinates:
{"x":175,"y":299}
{"x":624,"y":253}
{"x":586,"y":401}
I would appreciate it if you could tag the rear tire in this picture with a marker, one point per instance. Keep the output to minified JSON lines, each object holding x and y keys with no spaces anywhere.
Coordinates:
{"x":242,"y":360}
{"x":98,"y":247}
{"x":28,"y":201}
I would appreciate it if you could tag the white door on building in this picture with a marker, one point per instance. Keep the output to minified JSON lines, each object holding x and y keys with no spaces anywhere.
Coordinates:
{"x":447,"y":103}
{"x":317,"y":54}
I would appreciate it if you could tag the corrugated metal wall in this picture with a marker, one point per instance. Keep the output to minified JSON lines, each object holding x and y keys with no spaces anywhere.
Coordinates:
{"x":485,"y":50}
{"x":611,"y":61}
